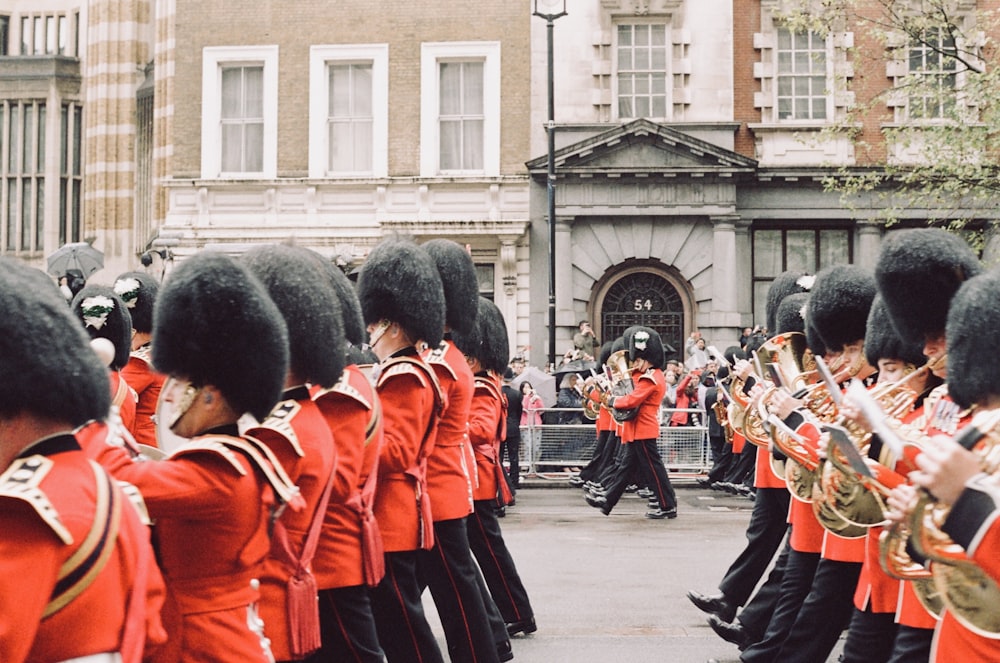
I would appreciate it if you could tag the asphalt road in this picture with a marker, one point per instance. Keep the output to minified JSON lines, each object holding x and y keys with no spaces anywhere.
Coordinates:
{"x":609,"y":589}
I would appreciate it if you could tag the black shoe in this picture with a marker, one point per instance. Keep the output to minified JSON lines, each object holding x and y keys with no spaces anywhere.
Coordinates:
{"x":576,"y":481}
{"x":631,"y":488}
{"x":659,"y":514}
{"x":653,"y":504}
{"x":704,"y":483}
{"x":597,"y":492}
{"x":645,"y":493}
{"x":714,"y":605}
{"x":501,"y":512}
{"x":525,"y":626}
{"x":733,"y":633}
{"x":596,"y":501}
{"x":504,"y":652}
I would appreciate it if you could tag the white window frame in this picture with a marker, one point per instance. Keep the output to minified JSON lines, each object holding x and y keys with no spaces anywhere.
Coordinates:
{"x":431,"y":54}
{"x":937,"y":118}
{"x":828,"y":83}
{"x":668,"y":73}
{"x":214,"y":58}
{"x":319,"y":91}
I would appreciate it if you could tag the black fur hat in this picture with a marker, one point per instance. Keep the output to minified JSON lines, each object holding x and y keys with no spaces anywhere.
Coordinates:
{"x":883,"y":342}
{"x":973,"y":321}
{"x":644,"y":343}
{"x":399,"y":282}
{"x":733,"y":353}
{"x":813,"y":340}
{"x":138,"y":290}
{"x":606,"y":350}
{"x":918,"y":272}
{"x":350,"y":307}
{"x":104,"y":315}
{"x":786,"y":283}
{"x":303,"y":293}
{"x":791,"y":313}
{"x":489,"y":341}
{"x":215,"y":324}
{"x":839,"y":303}
{"x":47,"y":367}
{"x":458,"y":277}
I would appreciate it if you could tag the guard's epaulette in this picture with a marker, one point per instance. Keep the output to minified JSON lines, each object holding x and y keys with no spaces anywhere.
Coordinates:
{"x":401,"y":366}
{"x":144,"y":353}
{"x":649,"y":374}
{"x":488,"y":385}
{"x":135,"y":497}
{"x":22,"y":480}
{"x":280,"y":421}
{"x":218,"y":446}
{"x":345,"y":388}
{"x":436,"y":357}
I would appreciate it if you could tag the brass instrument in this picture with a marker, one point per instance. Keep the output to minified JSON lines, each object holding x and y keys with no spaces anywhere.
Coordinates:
{"x":621,"y":384}
{"x":794,"y":363}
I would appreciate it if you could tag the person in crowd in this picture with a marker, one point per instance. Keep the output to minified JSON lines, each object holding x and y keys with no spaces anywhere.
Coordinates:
{"x":531,"y":418}
{"x":224,"y":345}
{"x":511,"y":445}
{"x":139,"y":290}
{"x":55,"y":505}
{"x":402,"y":302}
{"x":297,"y":434}
{"x":569,"y":400}
{"x":687,"y":400}
{"x":585,"y":341}
{"x":695,"y":351}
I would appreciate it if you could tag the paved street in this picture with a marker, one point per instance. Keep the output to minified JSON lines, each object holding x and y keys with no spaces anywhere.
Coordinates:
{"x":612,"y":588}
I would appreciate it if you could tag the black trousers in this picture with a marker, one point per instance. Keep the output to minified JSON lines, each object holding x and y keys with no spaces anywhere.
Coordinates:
{"x":496,"y":563}
{"x":825,"y":613}
{"x":451,"y":574}
{"x":512,"y":448}
{"x":722,"y":458}
{"x":741,"y":470}
{"x":643,"y":458}
{"x":912,"y":645}
{"x":755,"y":617}
{"x":795,"y":586}
{"x":347,"y":627}
{"x":765,"y":532}
{"x":870,"y":637}
{"x":403,"y":630}
{"x":616,"y":451}
{"x":604,"y":454}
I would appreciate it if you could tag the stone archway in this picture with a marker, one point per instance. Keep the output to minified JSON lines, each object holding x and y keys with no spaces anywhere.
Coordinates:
{"x":644,"y":292}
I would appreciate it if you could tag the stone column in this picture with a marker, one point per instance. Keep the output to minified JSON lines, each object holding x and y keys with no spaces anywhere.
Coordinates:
{"x":744,"y":272}
{"x":725,"y":288}
{"x":565,"y":315}
{"x":869,"y":242}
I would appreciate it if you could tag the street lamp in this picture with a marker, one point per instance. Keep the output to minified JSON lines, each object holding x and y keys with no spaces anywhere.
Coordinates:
{"x":550,"y":10}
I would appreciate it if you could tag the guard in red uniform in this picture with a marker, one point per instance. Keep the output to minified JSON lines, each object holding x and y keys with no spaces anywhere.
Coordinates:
{"x":487,"y":353}
{"x":639,"y":434}
{"x":224,"y":345}
{"x":351,"y":558}
{"x":104,"y":315}
{"x":79,"y":577}
{"x":403,"y":306}
{"x":297,"y":432}
{"x":138,"y":290}
{"x":464,"y":605}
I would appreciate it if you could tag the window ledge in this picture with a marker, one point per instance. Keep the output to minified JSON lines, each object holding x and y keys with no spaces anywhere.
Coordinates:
{"x":772,"y":127}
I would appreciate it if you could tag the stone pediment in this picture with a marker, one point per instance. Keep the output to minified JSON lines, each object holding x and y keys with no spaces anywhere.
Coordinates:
{"x":644,"y":148}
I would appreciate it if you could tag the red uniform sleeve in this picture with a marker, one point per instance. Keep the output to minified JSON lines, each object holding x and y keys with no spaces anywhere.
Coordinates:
{"x":404,"y":397}
{"x":484,"y":418}
{"x":974,"y":522}
{"x":643,"y":389}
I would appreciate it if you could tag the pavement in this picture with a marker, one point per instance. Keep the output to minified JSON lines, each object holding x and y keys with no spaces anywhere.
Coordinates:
{"x":612,"y":588}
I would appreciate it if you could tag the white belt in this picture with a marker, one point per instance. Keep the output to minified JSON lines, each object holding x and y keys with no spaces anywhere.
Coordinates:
{"x":108,"y":657}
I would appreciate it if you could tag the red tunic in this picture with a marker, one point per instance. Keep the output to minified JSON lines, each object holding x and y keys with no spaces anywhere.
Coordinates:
{"x":120,"y":608}
{"x":410,"y":405}
{"x":450,"y":467}
{"x":211,"y":501}
{"x":297,"y":433}
{"x":123,"y":397}
{"x":650,"y":386}
{"x":487,"y":427}
{"x":146,"y":382}
{"x":764,"y":476}
{"x":353,"y":413}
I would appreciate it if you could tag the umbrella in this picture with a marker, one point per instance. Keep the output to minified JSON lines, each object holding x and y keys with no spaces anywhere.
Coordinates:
{"x":579,"y":366}
{"x":75,"y":255}
{"x":542,"y":382}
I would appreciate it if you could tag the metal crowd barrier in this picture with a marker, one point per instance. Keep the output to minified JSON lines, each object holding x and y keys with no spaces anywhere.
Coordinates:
{"x":552,"y":449}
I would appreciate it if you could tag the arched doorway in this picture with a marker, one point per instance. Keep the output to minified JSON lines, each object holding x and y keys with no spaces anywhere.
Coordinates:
{"x":644,"y":293}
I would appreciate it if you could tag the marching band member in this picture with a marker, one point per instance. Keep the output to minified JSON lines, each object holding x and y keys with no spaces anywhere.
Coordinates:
{"x":487,"y":350}
{"x":604,"y":449}
{"x":403,"y":306}
{"x":79,"y":577}
{"x":138,"y":290}
{"x":297,"y":433}
{"x":223,"y":343}
{"x":467,"y":612}
{"x":351,"y":558}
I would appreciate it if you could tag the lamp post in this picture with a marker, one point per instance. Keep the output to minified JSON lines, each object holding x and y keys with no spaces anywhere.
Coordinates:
{"x":550,"y":10}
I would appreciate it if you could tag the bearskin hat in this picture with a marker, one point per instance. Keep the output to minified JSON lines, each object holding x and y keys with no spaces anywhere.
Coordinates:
{"x":105,"y":315}
{"x":461,"y":285}
{"x":733,"y":353}
{"x":813,"y":339}
{"x":786,"y":283}
{"x":606,"y":350}
{"x":791,"y":313}
{"x":214,"y":324}
{"x":883,"y":342}
{"x":47,"y":367}
{"x":918,"y":272}
{"x":644,"y":343}
{"x":138,"y":290}
{"x":973,"y":320}
{"x":350,"y":307}
{"x":399,"y":282}
{"x":303,"y":293}
{"x":839,"y":303}
{"x":489,"y":341}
